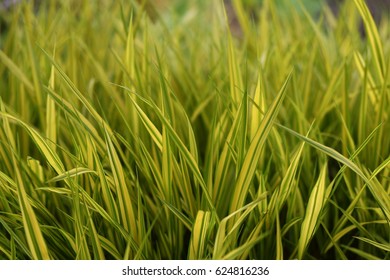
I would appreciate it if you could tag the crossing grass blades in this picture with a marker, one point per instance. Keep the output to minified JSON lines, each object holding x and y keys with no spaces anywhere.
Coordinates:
{"x":129,"y":131}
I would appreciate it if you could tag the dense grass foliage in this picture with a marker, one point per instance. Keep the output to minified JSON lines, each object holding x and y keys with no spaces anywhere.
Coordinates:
{"x":132,"y":132}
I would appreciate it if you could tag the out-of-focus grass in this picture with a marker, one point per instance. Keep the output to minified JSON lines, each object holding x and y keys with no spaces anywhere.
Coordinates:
{"x":133,"y":132}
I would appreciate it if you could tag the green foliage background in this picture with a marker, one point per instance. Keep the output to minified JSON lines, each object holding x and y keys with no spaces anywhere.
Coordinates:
{"x":132,"y":131}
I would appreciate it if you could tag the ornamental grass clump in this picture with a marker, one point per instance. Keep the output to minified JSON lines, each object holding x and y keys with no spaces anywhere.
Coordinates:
{"x":132,"y":131}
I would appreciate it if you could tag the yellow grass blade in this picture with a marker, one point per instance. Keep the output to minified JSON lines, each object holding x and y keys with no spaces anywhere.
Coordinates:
{"x":314,"y":207}
{"x":71,"y":173}
{"x":373,"y":38}
{"x":50,"y":155}
{"x":35,"y":239}
{"x":126,"y":208}
{"x":200,"y":235}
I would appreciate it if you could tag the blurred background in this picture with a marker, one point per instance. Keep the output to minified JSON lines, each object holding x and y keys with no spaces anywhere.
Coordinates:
{"x":165,"y":8}
{"x":378,"y":7}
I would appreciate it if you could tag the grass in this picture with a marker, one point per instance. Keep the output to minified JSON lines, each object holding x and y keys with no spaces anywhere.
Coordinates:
{"x":132,"y":132}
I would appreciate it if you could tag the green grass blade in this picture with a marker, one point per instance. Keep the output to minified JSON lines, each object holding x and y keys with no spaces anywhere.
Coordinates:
{"x":249,"y":167}
{"x":385,"y":247}
{"x":377,"y":190}
{"x":16,"y":71}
